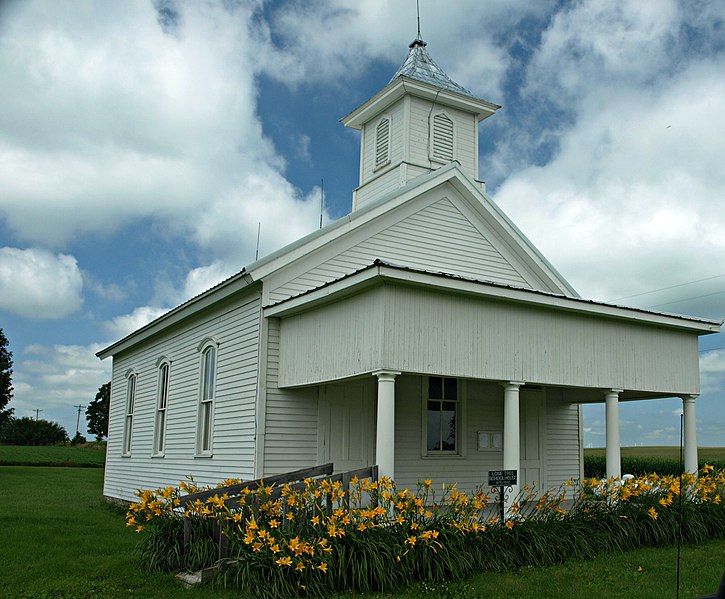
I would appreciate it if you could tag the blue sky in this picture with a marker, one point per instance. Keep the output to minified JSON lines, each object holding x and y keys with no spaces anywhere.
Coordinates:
{"x":142,"y":143}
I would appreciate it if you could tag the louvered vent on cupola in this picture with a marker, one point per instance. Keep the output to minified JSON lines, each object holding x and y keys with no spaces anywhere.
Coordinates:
{"x":382,"y":142}
{"x":442,"y":138}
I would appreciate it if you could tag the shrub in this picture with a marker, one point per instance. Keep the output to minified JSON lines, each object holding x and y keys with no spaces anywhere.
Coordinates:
{"x":78,"y":439}
{"x":315,"y":539}
{"x":26,"y":431}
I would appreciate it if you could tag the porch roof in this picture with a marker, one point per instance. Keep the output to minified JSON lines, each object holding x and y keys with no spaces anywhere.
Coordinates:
{"x":380,"y":270}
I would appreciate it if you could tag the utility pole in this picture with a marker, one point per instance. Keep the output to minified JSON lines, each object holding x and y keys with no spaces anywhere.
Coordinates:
{"x":37,"y":411}
{"x":78,"y":420}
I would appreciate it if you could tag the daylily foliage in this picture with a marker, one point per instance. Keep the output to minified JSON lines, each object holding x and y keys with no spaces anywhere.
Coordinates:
{"x":316,"y":538}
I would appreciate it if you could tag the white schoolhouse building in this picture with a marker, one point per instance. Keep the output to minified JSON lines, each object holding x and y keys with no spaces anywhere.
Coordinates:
{"x":422,"y":332}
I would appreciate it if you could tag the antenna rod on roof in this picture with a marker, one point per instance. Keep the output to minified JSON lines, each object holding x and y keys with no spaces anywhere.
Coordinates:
{"x":259,"y":228}
{"x":417,"y":10}
{"x":322,"y":199}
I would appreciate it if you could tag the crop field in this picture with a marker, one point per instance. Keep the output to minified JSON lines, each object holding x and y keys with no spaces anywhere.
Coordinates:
{"x":706,"y":454}
{"x":640,"y":461}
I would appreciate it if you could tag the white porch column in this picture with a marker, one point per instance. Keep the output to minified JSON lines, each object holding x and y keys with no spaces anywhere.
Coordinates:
{"x":613,"y":453}
{"x":385,"y":431}
{"x":688,"y":409}
{"x":511,"y":433}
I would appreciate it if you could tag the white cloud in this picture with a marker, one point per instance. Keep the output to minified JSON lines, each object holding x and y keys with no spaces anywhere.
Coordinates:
{"x":712,"y":372}
{"x":631,"y":200}
{"x":56,"y":378}
{"x":111,"y":292}
{"x":120,"y":326}
{"x":338,"y":39}
{"x":37,"y":284}
{"x":113,"y":120}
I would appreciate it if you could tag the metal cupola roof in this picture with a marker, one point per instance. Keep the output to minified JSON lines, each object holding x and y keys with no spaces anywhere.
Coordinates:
{"x":421,"y":67}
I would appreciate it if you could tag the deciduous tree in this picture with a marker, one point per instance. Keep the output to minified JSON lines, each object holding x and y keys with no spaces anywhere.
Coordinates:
{"x":6,"y":373}
{"x":97,"y":412}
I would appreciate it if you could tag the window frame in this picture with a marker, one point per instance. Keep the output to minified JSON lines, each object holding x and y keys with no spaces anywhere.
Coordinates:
{"x":432,"y":136}
{"x":162,"y":405}
{"x":377,"y":165}
{"x":204,"y":446}
{"x":129,"y":409}
{"x":460,"y":416}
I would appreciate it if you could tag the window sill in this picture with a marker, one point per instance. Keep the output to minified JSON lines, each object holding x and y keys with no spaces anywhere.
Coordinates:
{"x":442,"y":456}
{"x":203,"y":455}
{"x":158,"y":455}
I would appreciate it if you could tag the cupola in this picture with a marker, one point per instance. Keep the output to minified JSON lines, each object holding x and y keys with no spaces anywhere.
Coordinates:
{"x":420,"y":121}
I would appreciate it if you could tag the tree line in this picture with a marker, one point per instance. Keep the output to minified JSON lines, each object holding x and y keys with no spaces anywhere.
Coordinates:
{"x":29,"y":431}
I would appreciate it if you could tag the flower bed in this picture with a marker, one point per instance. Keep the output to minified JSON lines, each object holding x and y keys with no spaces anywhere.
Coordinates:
{"x":314,"y":540}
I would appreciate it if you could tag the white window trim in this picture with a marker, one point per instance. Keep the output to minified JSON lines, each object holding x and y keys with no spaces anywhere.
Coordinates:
{"x":431,"y":131}
{"x":460,"y":451}
{"x":160,"y":428}
{"x":386,"y":162}
{"x":129,"y":408}
{"x":204,"y":346}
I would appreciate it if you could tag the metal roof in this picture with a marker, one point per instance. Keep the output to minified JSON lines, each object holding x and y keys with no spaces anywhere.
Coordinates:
{"x":704,"y":324}
{"x":421,"y":67}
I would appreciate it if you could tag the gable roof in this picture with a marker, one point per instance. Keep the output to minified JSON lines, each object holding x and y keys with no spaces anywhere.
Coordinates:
{"x":328,"y":235}
{"x":451,"y":174}
{"x":266,"y":266}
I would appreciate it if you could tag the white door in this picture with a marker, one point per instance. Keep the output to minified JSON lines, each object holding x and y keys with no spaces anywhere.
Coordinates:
{"x":531,"y":414}
{"x":347,"y":425}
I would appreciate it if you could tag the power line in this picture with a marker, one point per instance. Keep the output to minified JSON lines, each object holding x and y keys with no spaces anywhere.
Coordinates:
{"x":685,"y":299}
{"x":667,"y":288}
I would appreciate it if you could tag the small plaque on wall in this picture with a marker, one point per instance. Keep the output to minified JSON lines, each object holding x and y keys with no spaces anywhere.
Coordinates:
{"x":490,"y":440}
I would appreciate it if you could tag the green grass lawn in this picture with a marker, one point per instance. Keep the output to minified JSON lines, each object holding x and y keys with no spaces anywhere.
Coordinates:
{"x":60,"y":540}
{"x":644,"y":574}
{"x":52,"y":455}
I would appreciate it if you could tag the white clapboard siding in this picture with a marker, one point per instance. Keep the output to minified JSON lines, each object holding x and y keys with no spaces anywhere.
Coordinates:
{"x":236,"y":328}
{"x":385,"y":181}
{"x":483,"y":410}
{"x":291,"y":417}
{"x":429,"y":331}
{"x":410,"y":143}
{"x":357,"y":341}
{"x":438,"y":238}
{"x":562,"y":448}
{"x":465,"y":127}
{"x":368,"y":145}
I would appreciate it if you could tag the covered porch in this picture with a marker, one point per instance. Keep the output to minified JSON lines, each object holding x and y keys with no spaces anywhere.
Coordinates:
{"x":392,"y":333}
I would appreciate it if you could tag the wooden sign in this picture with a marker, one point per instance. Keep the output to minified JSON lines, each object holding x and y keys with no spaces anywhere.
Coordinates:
{"x":498,"y":478}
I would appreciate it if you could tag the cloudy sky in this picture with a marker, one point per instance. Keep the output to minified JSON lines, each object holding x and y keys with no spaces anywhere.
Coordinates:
{"x":142,"y":144}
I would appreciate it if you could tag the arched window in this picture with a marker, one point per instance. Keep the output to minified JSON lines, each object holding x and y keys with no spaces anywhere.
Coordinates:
{"x":206,"y":400}
{"x":442,"y":138}
{"x":382,"y":142}
{"x":162,"y":400}
{"x":128,"y":421}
